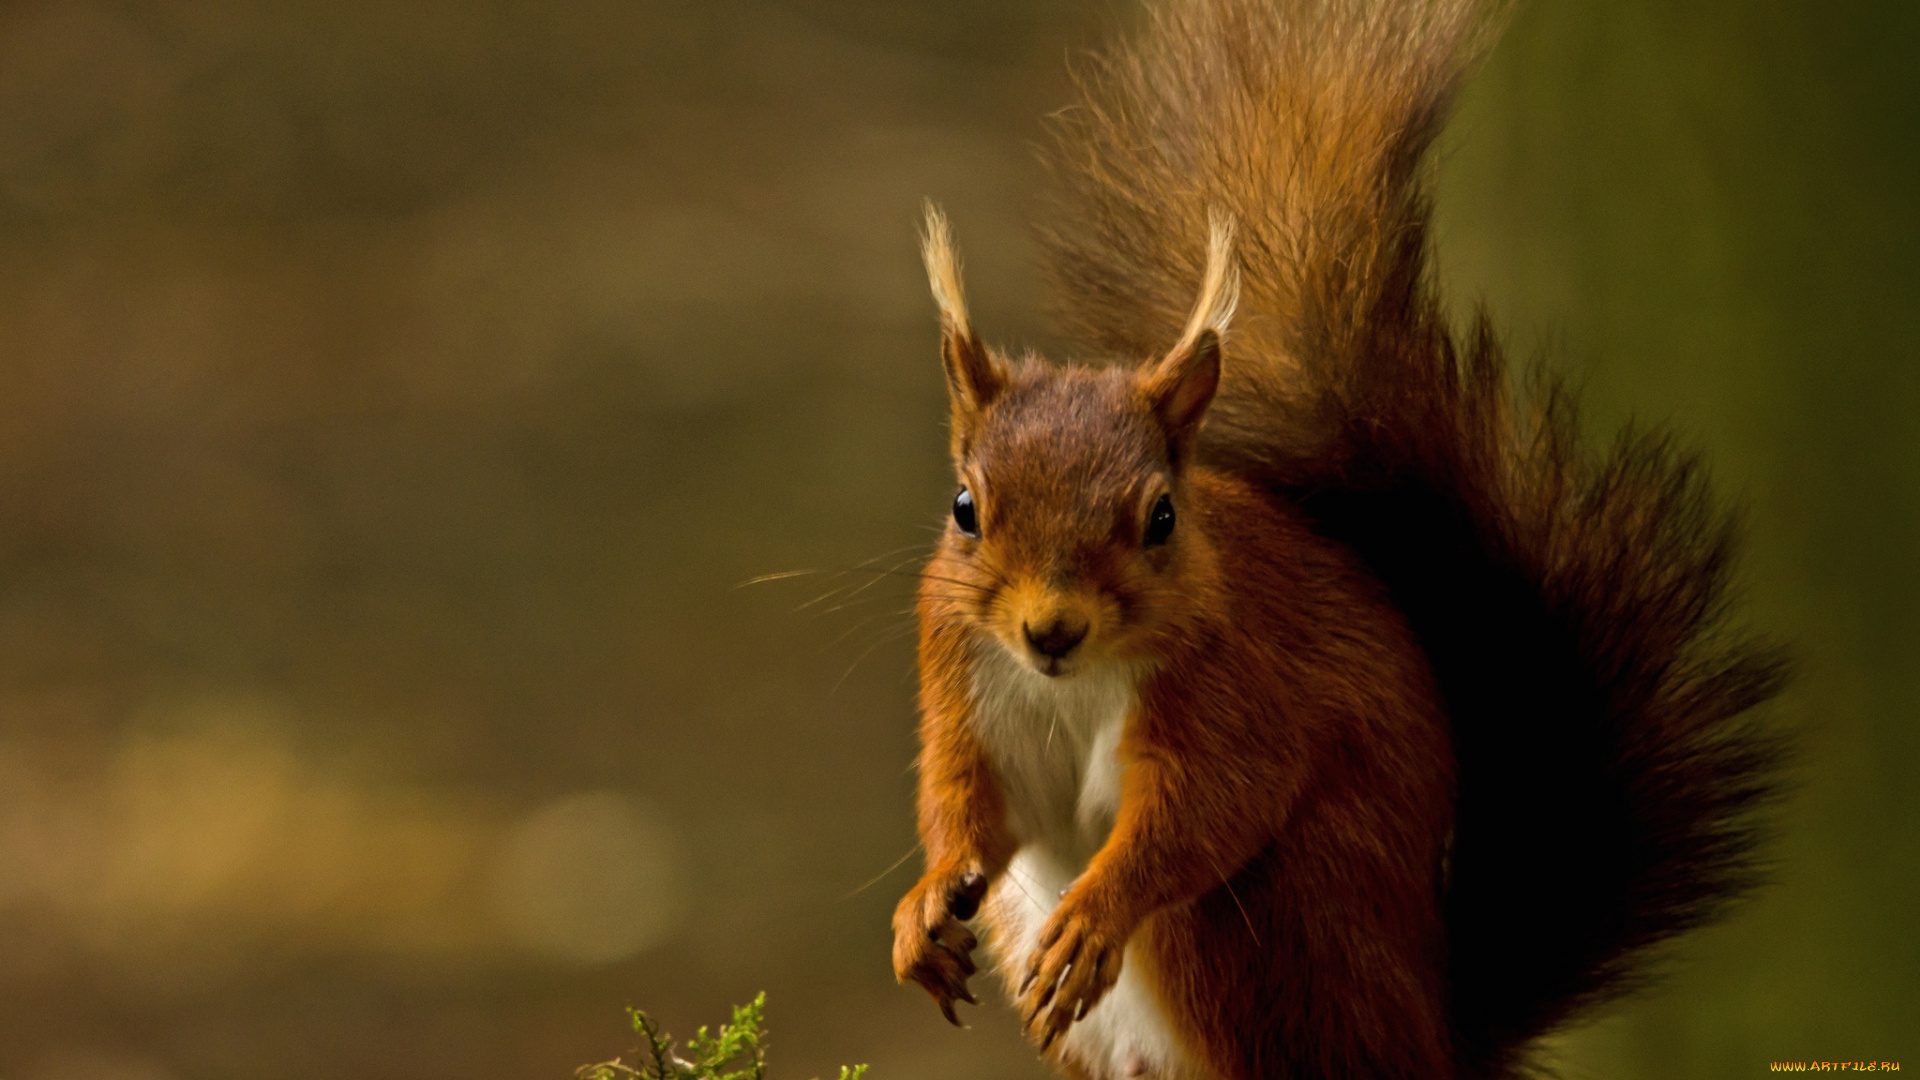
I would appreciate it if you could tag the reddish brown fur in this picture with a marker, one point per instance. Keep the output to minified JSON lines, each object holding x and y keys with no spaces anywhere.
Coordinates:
{"x":1292,"y":740}
{"x":1437,"y":721}
{"x":1288,"y":780}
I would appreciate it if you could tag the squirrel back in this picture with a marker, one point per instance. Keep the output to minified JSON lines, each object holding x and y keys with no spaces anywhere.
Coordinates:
{"x":1573,"y":607}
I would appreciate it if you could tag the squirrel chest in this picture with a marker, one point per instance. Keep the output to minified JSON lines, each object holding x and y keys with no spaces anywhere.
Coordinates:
{"x":1055,"y":747}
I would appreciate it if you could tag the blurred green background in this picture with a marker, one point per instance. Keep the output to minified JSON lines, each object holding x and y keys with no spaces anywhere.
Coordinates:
{"x":393,"y":396}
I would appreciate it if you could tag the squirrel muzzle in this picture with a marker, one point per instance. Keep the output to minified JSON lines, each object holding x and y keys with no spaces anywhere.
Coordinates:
{"x":1055,"y":631}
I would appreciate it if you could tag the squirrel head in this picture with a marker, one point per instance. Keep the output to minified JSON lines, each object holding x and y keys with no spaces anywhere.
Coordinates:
{"x":1072,"y":540}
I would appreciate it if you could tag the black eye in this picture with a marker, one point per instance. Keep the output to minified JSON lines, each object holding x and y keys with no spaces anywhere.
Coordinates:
{"x":1160,"y":522}
{"x":963,"y":514}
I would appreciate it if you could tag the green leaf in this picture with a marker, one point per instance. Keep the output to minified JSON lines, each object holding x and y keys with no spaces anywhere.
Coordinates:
{"x":732,"y":1053}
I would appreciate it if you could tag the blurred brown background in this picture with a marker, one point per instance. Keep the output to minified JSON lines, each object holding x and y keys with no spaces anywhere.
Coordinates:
{"x":392,"y":397}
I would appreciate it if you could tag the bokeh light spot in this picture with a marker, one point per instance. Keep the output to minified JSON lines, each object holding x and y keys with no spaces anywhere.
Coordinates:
{"x":589,"y":879}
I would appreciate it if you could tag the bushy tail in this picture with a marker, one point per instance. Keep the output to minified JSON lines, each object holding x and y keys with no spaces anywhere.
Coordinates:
{"x":1574,"y":607}
{"x":1306,"y":122}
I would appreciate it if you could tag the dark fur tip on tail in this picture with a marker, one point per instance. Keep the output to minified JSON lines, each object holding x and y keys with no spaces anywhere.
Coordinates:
{"x":1575,"y":606}
{"x":1576,"y":611}
{"x":1612,"y":777}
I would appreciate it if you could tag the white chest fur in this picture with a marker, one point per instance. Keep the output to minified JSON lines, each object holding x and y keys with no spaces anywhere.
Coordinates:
{"x":1055,"y":744}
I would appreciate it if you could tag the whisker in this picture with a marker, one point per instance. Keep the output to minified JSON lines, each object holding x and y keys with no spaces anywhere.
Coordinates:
{"x":782,"y":575}
{"x":859,"y":626}
{"x":851,"y":591}
{"x":954,"y":581}
{"x":891,"y":554}
{"x":897,"y":863}
{"x":896,"y":636}
{"x":878,"y":574}
{"x":822,"y":598}
{"x":850,"y":603}
{"x":850,"y":594}
{"x":996,"y":578}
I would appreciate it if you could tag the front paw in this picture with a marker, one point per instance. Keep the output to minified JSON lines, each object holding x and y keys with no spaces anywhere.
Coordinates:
{"x":931,"y":944}
{"x":1076,"y":961}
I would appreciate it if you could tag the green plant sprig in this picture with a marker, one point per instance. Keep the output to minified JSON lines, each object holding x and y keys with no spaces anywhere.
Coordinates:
{"x":733,"y":1053}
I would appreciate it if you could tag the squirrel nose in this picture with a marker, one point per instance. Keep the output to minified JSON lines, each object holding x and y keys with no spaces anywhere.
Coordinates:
{"x":1057,"y":640}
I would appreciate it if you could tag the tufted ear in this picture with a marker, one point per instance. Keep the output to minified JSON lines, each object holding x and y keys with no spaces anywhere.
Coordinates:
{"x":974,"y":377}
{"x":1182,"y":385}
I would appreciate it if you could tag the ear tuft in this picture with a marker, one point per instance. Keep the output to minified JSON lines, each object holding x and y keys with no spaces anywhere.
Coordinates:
{"x":974,"y":379}
{"x":943,"y":270}
{"x":1219,"y":286}
{"x":1182,"y":385}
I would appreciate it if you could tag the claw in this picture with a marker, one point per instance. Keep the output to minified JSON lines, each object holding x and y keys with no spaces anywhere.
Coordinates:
{"x":1052,"y":1032}
{"x":1046,"y":995}
{"x":946,"y":1010}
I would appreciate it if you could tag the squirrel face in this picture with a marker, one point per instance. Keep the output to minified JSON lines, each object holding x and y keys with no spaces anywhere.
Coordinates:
{"x":1066,"y":541}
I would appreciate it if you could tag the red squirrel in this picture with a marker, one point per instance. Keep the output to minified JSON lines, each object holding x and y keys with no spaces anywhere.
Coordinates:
{"x":1297,"y":699}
